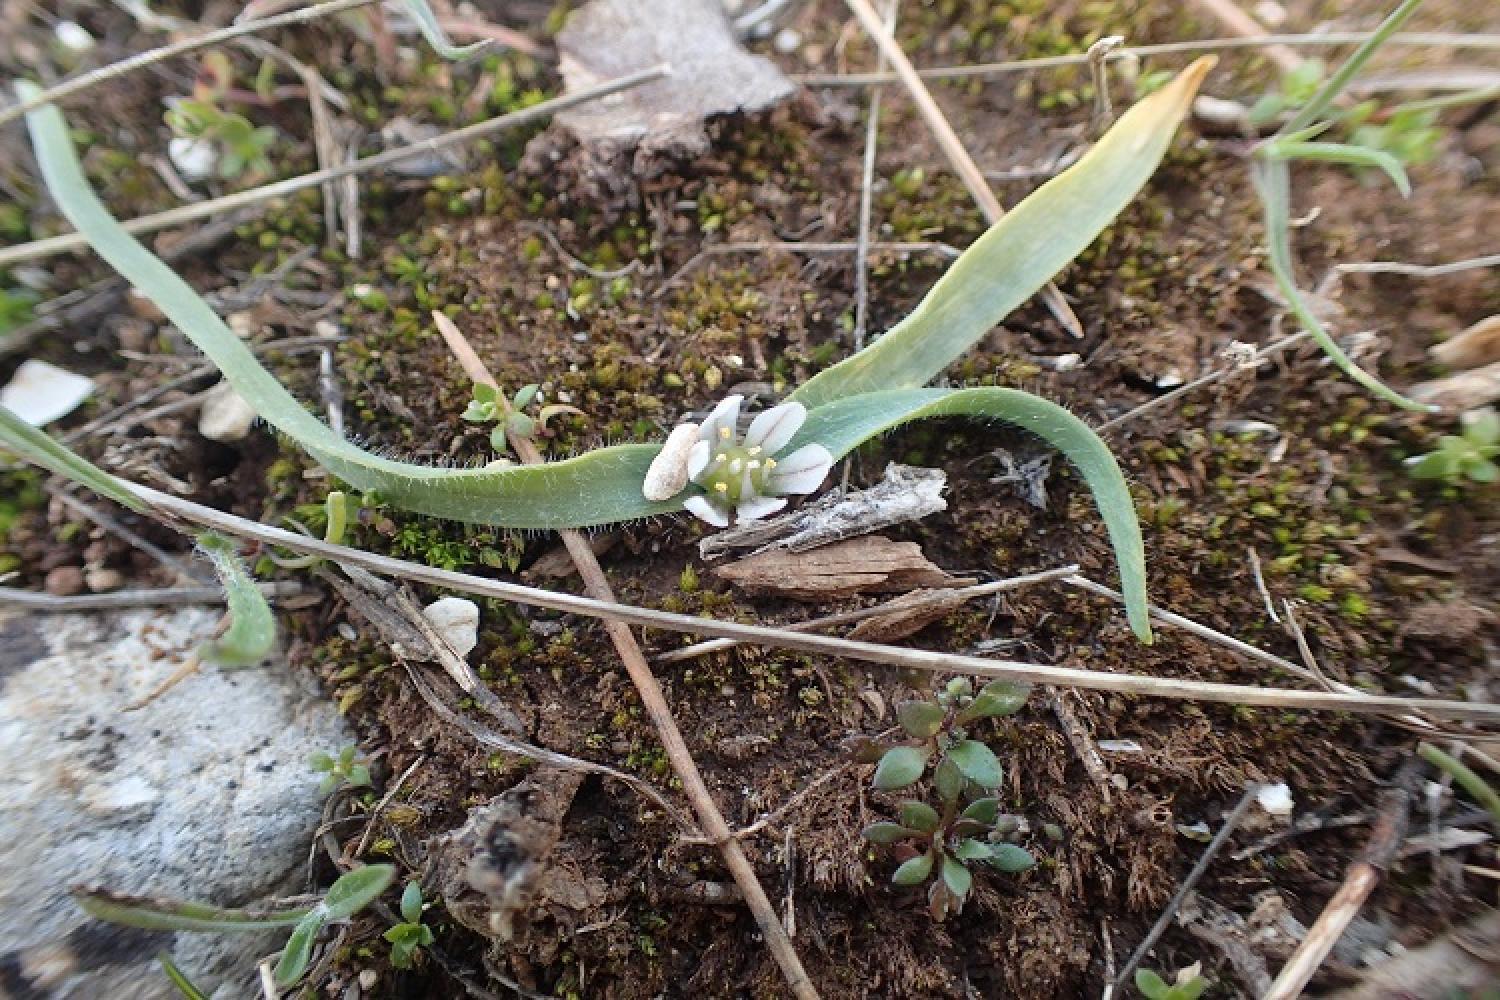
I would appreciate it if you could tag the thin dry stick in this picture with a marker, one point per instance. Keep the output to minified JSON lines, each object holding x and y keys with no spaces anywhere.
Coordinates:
{"x":655,"y":701}
{"x":113,"y":71}
{"x":1149,"y":941}
{"x":867,"y":194}
{"x":259,"y":195}
{"x":1080,"y":739}
{"x":177,"y":510}
{"x":874,"y":611}
{"x":1242,"y":24}
{"x":1386,"y":838}
{"x":958,"y":157}
{"x":1418,"y":39}
{"x":121,"y":600}
{"x":1417,"y":270}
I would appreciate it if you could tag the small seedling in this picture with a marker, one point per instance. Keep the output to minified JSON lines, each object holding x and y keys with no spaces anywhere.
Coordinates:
{"x":242,"y":145}
{"x":1469,"y":454}
{"x":1296,"y":87}
{"x":352,"y":892}
{"x":1189,"y":984}
{"x":968,"y":827}
{"x":509,"y":416}
{"x":411,"y":935}
{"x":341,"y":770}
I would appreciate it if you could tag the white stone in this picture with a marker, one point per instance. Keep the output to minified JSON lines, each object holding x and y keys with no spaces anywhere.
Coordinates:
{"x":787,"y":41}
{"x":40,"y":393}
{"x":73,"y":37}
{"x":203,"y":793}
{"x":456,"y":619}
{"x":1276,"y":800}
{"x":225,"y":415}
{"x":194,"y":159}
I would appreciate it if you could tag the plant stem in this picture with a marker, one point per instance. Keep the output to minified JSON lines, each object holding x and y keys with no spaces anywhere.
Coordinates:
{"x":1313,"y":109}
{"x":678,"y":754}
{"x":1471,"y":782}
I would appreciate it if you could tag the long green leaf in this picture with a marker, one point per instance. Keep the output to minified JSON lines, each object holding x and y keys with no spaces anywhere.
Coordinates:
{"x":37,"y":447}
{"x":1342,"y":152}
{"x":174,"y":915}
{"x":178,"y":978}
{"x":1334,"y":86}
{"x":599,"y":487}
{"x":1019,"y":254}
{"x":1272,"y":180}
{"x":252,"y":627}
{"x":844,"y":425}
{"x":432,"y":31}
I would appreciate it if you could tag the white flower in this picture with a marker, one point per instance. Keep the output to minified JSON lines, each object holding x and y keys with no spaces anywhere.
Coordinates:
{"x":745,"y":478}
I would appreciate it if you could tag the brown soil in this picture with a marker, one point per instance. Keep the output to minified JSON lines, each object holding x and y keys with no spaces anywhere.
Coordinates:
{"x":1173,"y":282}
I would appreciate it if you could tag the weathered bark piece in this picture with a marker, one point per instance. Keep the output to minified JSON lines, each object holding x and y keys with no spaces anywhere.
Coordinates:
{"x":1478,"y":345}
{"x":908,"y":615}
{"x":907,"y":493}
{"x":1462,"y":391}
{"x":866,"y":565}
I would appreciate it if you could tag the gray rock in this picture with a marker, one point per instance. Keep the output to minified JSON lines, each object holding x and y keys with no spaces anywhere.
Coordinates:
{"x":203,"y":793}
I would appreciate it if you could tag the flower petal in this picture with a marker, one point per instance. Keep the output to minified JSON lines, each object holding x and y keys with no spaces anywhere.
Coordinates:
{"x":704,"y":510}
{"x":668,"y":473}
{"x":757,"y":507}
{"x":725,"y":416}
{"x":802,"y":471}
{"x":698,"y":458}
{"x":772,"y":429}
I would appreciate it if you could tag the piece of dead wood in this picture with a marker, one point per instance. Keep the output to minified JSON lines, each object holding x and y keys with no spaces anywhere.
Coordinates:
{"x":866,"y":565}
{"x":1230,"y":934}
{"x":1462,"y":391}
{"x":1460,"y":963}
{"x":711,"y":74}
{"x":907,"y":493}
{"x":1475,"y":346}
{"x":908,"y":614}
{"x":557,"y":564}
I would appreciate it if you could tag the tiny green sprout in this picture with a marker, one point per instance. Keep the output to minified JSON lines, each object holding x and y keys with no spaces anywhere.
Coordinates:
{"x":488,"y":405}
{"x":1411,"y":135}
{"x":341,"y":770}
{"x":411,"y":935}
{"x":1188,"y":985}
{"x":968,"y":828}
{"x":1469,"y":454}
{"x":242,"y":146}
{"x":1296,"y":88}
{"x":16,"y":308}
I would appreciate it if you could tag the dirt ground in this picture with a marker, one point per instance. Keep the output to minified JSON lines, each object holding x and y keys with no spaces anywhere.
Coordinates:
{"x":607,"y":299}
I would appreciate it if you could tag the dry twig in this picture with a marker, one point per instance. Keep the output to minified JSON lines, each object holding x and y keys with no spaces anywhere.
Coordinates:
{"x":655,"y":702}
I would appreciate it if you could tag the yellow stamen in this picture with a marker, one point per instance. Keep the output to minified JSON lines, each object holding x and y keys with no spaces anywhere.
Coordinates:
{"x":724,"y":433}
{"x":770,"y":463}
{"x":720,"y":457}
{"x":755,"y":450}
{"x":721,"y":487}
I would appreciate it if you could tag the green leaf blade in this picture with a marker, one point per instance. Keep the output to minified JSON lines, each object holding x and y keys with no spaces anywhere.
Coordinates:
{"x":978,"y":763}
{"x":845,"y":424}
{"x":1019,"y":254}
{"x":901,"y":766}
{"x":252,"y":626}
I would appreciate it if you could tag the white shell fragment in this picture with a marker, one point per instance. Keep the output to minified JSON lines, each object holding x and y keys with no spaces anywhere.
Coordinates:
{"x":194,"y":159}
{"x":457,"y":621}
{"x":41,"y":393}
{"x":668,"y":474}
{"x":1276,"y":800}
{"x":225,"y":415}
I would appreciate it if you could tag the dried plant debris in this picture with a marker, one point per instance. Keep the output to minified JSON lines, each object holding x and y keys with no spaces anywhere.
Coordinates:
{"x":1029,"y":477}
{"x":1462,"y":391}
{"x":871,"y":564}
{"x":1478,"y":345}
{"x":907,"y":615}
{"x":907,"y":493}
{"x":490,"y":870}
{"x":711,"y":74}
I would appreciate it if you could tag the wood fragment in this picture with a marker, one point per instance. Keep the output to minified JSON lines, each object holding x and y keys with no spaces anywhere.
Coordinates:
{"x":1230,"y":934}
{"x":866,"y":565}
{"x":1478,"y":345}
{"x":1462,"y":391}
{"x":907,"y":493}
{"x":909,"y":614}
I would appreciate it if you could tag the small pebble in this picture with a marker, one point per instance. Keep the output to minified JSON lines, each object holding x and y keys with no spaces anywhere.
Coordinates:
{"x":225,"y":415}
{"x":73,"y":37}
{"x":40,"y":393}
{"x":457,"y":621}
{"x":65,"y":581}
{"x":1275,"y":800}
{"x":787,"y":41}
{"x":102,"y":581}
{"x":194,"y":159}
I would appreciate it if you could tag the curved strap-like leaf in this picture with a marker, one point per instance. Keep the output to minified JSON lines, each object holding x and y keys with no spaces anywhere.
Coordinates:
{"x":1019,"y":254}
{"x":845,"y":424}
{"x":597,"y":488}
